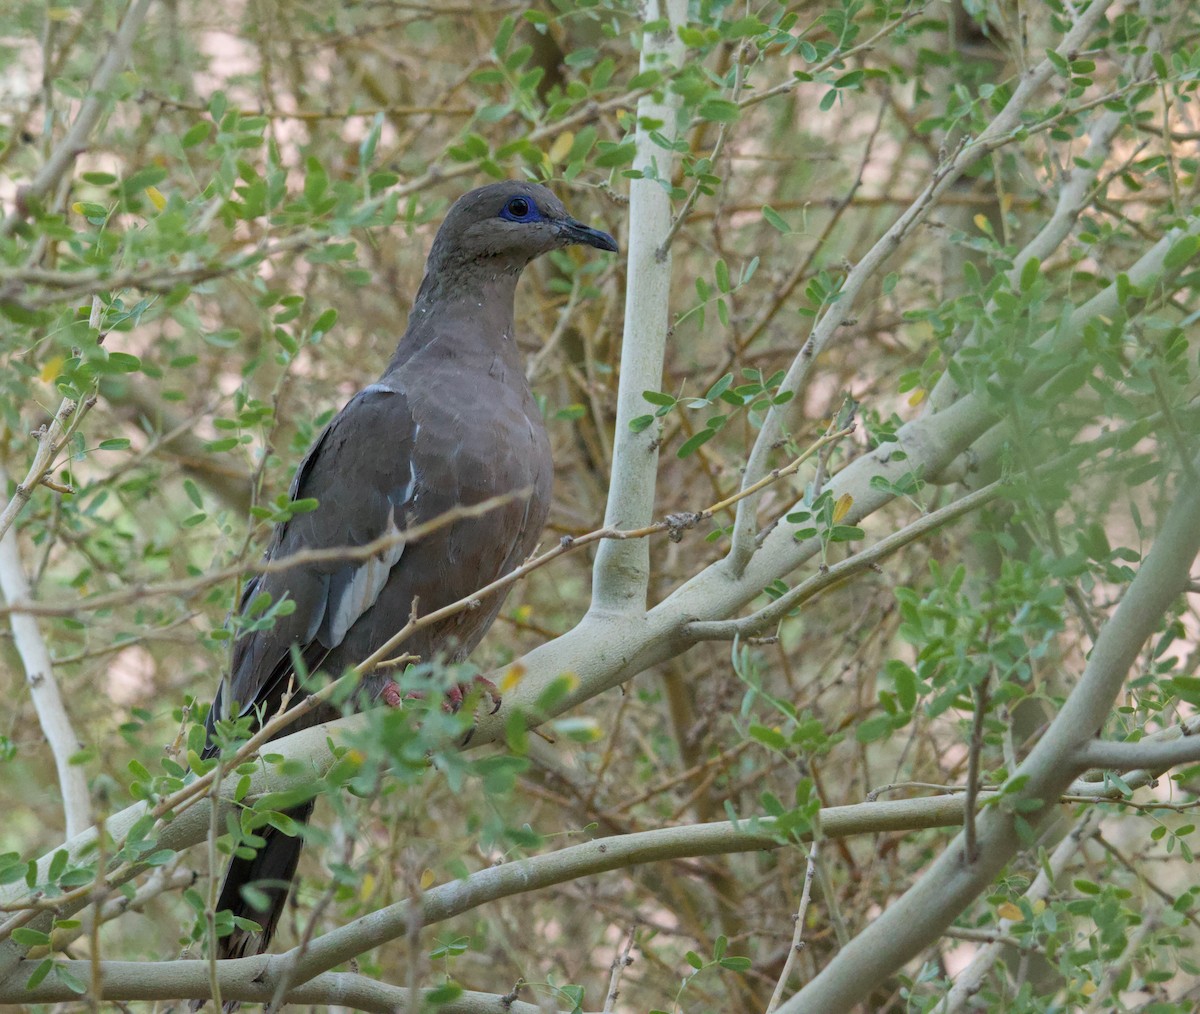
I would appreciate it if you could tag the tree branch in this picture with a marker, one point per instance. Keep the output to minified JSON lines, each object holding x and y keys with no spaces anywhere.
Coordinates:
{"x":178,"y":980}
{"x":1128,"y":756}
{"x":51,"y":439}
{"x":446,"y":900}
{"x":970,"y":979}
{"x":75,"y":141}
{"x":920,"y":916}
{"x":995,"y":134}
{"x":622,"y":571}
{"x":43,"y":687}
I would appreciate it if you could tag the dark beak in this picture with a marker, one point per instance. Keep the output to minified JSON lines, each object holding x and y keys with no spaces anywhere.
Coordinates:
{"x":577,"y":232}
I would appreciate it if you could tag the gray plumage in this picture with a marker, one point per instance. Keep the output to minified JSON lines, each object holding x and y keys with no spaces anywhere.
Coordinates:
{"x":451,"y":422}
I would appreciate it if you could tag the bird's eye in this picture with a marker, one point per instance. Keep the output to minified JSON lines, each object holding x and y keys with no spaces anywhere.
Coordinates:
{"x":518,"y":207}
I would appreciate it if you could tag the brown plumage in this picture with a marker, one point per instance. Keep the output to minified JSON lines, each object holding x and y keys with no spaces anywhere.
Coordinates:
{"x":451,"y":422}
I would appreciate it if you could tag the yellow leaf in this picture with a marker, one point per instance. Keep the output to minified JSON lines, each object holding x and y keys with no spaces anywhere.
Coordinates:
{"x":981,"y":222}
{"x":512,"y":678}
{"x":561,"y":147}
{"x":368,"y":886}
{"x":357,"y":756}
{"x":156,"y":197}
{"x":920,"y":330}
{"x":842,"y":507}
{"x":77,"y":208}
{"x":1009,"y":911}
{"x":427,"y":879}
{"x":1088,"y":988}
{"x":523,"y":614}
{"x":52,"y":368}
{"x":917,"y":396}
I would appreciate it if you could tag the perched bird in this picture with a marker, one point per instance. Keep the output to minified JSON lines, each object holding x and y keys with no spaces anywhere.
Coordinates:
{"x":450,"y":423}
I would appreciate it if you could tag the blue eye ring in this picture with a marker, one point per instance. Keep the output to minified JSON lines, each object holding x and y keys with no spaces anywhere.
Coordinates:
{"x":520,"y":209}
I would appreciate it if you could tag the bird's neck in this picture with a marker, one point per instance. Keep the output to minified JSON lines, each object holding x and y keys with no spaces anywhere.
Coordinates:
{"x":463,"y":312}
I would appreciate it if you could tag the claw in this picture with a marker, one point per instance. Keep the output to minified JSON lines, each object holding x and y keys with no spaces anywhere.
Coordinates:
{"x":390,"y":694}
{"x":457,"y":693}
{"x":493,"y":692}
{"x":393,"y":697}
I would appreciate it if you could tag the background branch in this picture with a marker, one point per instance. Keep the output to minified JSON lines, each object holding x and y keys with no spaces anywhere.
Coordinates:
{"x":927,"y":908}
{"x":43,"y":687}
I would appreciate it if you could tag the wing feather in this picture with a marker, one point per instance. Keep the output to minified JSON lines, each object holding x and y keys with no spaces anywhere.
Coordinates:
{"x":359,"y":501}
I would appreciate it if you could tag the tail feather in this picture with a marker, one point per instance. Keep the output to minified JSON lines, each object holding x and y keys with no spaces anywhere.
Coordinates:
{"x":271,"y":869}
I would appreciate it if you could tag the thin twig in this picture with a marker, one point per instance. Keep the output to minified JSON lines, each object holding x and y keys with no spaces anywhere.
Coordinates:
{"x":714,"y":156}
{"x":797,"y":944}
{"x":75,"y":141}
{"x":334,"y":554}
{"x":51,"y":439}
{"x":621,"y":962}
{"x":970,"y":841}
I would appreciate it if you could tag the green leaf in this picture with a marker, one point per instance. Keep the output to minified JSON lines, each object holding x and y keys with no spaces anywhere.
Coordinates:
{"x":193,"y":493}
{"x":1186,"y":688}
{"x":719,"y":388}
{"x":640,"y":423}
{"x":659,"y":398}
{"x":27,"y":937}
{"x":906,"y":688}
{"x":719,"y":111}
{"x":504,"y":35}
{"x":69,"y":979}
{"x":774,"y":219}
{"x":39,"y":973}
{"x":196,"y":134}
{"x":845,"y":533}
{"x":1182,"y":251}
{"x":124,"y":362}
{"x":1029,"y":273}
{"x":722,"y":275}
{"x":324,"y":323}
{"x":114,"y":444}
{"x":694,"y":960}
{"x":613,"y":156}
{"x":694,"y":442}
{"x":874,"y":729}
{"x":768,"y":737}
{"x":316,"y":182}
{"x":443,"y":994}
{"x":57,"y":865}
{"x":366,"y":150}
{"x":159,"y":858}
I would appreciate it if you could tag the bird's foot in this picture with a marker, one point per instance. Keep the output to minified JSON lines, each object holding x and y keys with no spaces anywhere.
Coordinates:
{"x":394,"y":697}
{"x":457,"y":693}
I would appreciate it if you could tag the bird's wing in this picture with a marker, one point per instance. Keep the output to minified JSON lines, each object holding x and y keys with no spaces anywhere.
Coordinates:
{"x":362,"y":471}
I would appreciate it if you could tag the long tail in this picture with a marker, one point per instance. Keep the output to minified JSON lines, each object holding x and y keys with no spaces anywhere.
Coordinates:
{"x":271,"y":870}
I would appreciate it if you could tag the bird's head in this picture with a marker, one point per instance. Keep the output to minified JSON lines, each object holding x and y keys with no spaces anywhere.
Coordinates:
{"x":509,"y":224}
